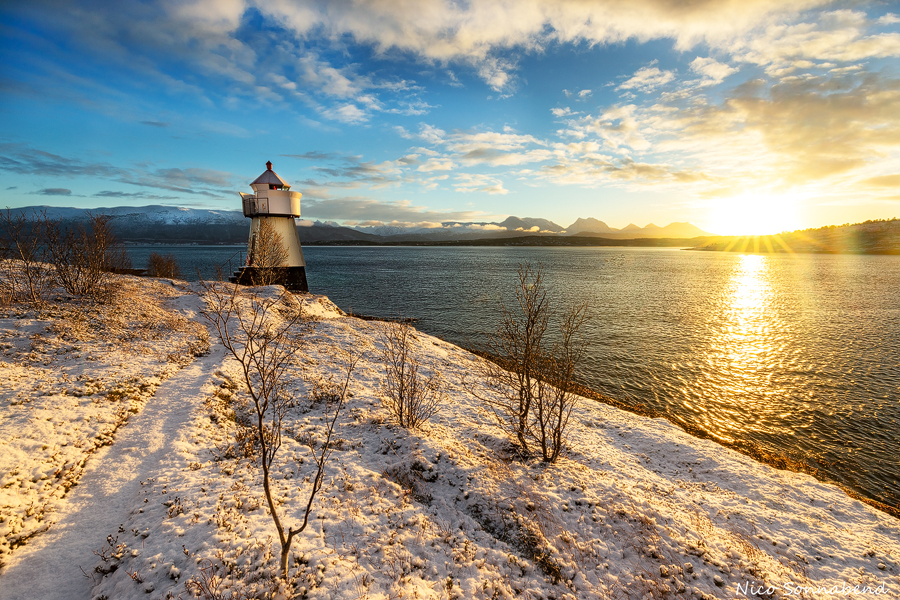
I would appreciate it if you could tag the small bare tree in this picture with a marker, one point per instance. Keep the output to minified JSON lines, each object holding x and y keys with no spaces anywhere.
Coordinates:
{"x":263,"y":334}
{"x":25,"y":274}
{"x":411,"y":398}
{"x":85,"y":254}
{"x":556,"y":376}
{"x":166,"y":266}
{"x":268,"y":255}
{"x":7,"y":280}
{"x":530,"y":379}
{"x":109,"y":251}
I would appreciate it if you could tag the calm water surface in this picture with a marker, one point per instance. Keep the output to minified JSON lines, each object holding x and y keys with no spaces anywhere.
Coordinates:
{"x":797,"y":353}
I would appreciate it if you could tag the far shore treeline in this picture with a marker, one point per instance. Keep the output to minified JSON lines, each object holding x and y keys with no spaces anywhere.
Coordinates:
{"x":870,"y":237}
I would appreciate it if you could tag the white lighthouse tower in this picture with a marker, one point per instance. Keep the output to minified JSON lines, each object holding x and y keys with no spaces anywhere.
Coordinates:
{"x":273,"y":207}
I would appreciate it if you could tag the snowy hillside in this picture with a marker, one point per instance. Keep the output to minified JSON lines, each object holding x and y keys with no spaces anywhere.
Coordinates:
{"x":171,"y":504}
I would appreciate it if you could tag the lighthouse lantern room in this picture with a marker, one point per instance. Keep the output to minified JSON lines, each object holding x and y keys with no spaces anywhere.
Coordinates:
{"x":272,"y":208}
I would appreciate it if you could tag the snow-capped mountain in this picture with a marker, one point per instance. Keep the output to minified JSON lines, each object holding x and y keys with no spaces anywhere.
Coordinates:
{"x":166,"y":215}
{"x":178,"y":224}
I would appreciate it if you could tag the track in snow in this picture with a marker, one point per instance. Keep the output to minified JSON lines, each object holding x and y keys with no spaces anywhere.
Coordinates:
{"x":47,"y":567}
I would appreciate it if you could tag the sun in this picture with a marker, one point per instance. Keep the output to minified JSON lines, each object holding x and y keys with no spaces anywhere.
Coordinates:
{"x":755,"y":214}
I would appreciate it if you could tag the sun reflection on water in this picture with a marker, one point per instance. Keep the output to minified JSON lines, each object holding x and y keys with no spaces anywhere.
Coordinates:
{"x":747,"y":323}
{"x":748,"y":336}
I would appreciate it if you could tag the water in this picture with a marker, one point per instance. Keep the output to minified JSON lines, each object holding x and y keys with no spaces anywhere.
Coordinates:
{"x":799,"y":354}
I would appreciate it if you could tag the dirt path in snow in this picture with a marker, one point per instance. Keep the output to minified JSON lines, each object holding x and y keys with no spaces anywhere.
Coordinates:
{"x":47,"y":568}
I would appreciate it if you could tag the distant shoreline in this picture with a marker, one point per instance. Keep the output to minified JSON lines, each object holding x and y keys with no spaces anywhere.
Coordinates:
{"x":749,"y":246}
{"x":539,"y":241}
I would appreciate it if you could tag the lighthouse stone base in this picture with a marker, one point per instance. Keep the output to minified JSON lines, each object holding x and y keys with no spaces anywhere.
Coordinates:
{"x":292,"y":278}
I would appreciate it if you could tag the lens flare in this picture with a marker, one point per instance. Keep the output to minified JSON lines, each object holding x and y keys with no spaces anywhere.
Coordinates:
{"x":755,"y":214}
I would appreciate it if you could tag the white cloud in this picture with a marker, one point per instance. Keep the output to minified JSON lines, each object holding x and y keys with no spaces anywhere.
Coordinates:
{"x":334,"y":82}
{"x":416,"y":108}
{"x":481,"y":147}
{"x":495,"y":72}
{"x":474,"y":33}
{"x":431,"y":134}
{"x":436,"y":164}
{"x":618,"y":127}
{"x":348,"y":113}
{"x":483,"y":35}
{"x":368,"y":209}
{"x":469,"y":182}
{"x":647,"y":79}
{"x":486,"y":227}
{"x":712,"y":70}
{"x":466,"y":142}
{"x":838,"y":36}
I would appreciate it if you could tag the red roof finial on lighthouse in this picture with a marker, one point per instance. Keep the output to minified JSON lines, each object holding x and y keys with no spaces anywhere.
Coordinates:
{"x":269,"y":165}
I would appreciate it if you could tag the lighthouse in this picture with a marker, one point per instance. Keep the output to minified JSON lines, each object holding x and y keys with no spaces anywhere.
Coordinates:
{"x":274,"y":255}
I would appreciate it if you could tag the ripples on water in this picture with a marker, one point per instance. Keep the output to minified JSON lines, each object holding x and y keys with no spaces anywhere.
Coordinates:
{"x":799,"y":354}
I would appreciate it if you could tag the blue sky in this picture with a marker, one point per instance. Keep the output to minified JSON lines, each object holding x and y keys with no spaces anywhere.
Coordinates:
{"x":738,"y":116}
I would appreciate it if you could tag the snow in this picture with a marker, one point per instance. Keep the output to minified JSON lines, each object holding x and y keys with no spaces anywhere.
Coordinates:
{"x":636,"y":509}
{"x":70,"y":376}
{"x":48,"y":567}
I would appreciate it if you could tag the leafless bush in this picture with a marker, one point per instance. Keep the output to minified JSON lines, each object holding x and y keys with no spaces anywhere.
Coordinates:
{"x":208,"y":585}
{"x":263,"y":334}
{"x":24,"y":274}
{"x":7,"y":278}
{"x":531,"y":379}
{"x":411,"y":398}
{"x":109,"y":251}
{"x":85,"y":254}
{"x":268,"y":254}
{"x":166,"y":266}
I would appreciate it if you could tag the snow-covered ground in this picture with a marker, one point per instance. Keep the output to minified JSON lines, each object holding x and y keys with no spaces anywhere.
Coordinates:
{"x":636,"y":509}
{"x":71,"y":374}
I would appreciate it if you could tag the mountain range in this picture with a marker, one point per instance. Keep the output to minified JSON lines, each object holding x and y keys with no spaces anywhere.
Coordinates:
{"x":177,"y":224}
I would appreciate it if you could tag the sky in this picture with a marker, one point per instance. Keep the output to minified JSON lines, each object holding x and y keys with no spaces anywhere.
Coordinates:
{"x":739,"y":116}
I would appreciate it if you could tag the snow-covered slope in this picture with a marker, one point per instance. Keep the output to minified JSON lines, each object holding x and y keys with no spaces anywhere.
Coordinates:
{"x":636,"y":508}
{"x":71,"y":375}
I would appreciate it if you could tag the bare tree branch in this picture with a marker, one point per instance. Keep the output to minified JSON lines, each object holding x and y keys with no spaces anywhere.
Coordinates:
{"x":528,"y":385}
{"x":263,"y":335}
{"x":24,"y":241}
{"x":268,"y":254}
{"x":411,"y":398}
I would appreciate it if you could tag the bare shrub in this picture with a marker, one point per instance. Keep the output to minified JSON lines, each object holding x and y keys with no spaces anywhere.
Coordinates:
{"x":208,"y":585}
{"x":84,"y":255}
{"x":410,"y":398}
{"x":268,"y":254}
{"x":166,"y":266}
{"x":7,"y":278}
{"x":263,"y":334}
{"x":25,"y":275}
{"x":531,"y":379}
{"x":109,"y":252}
